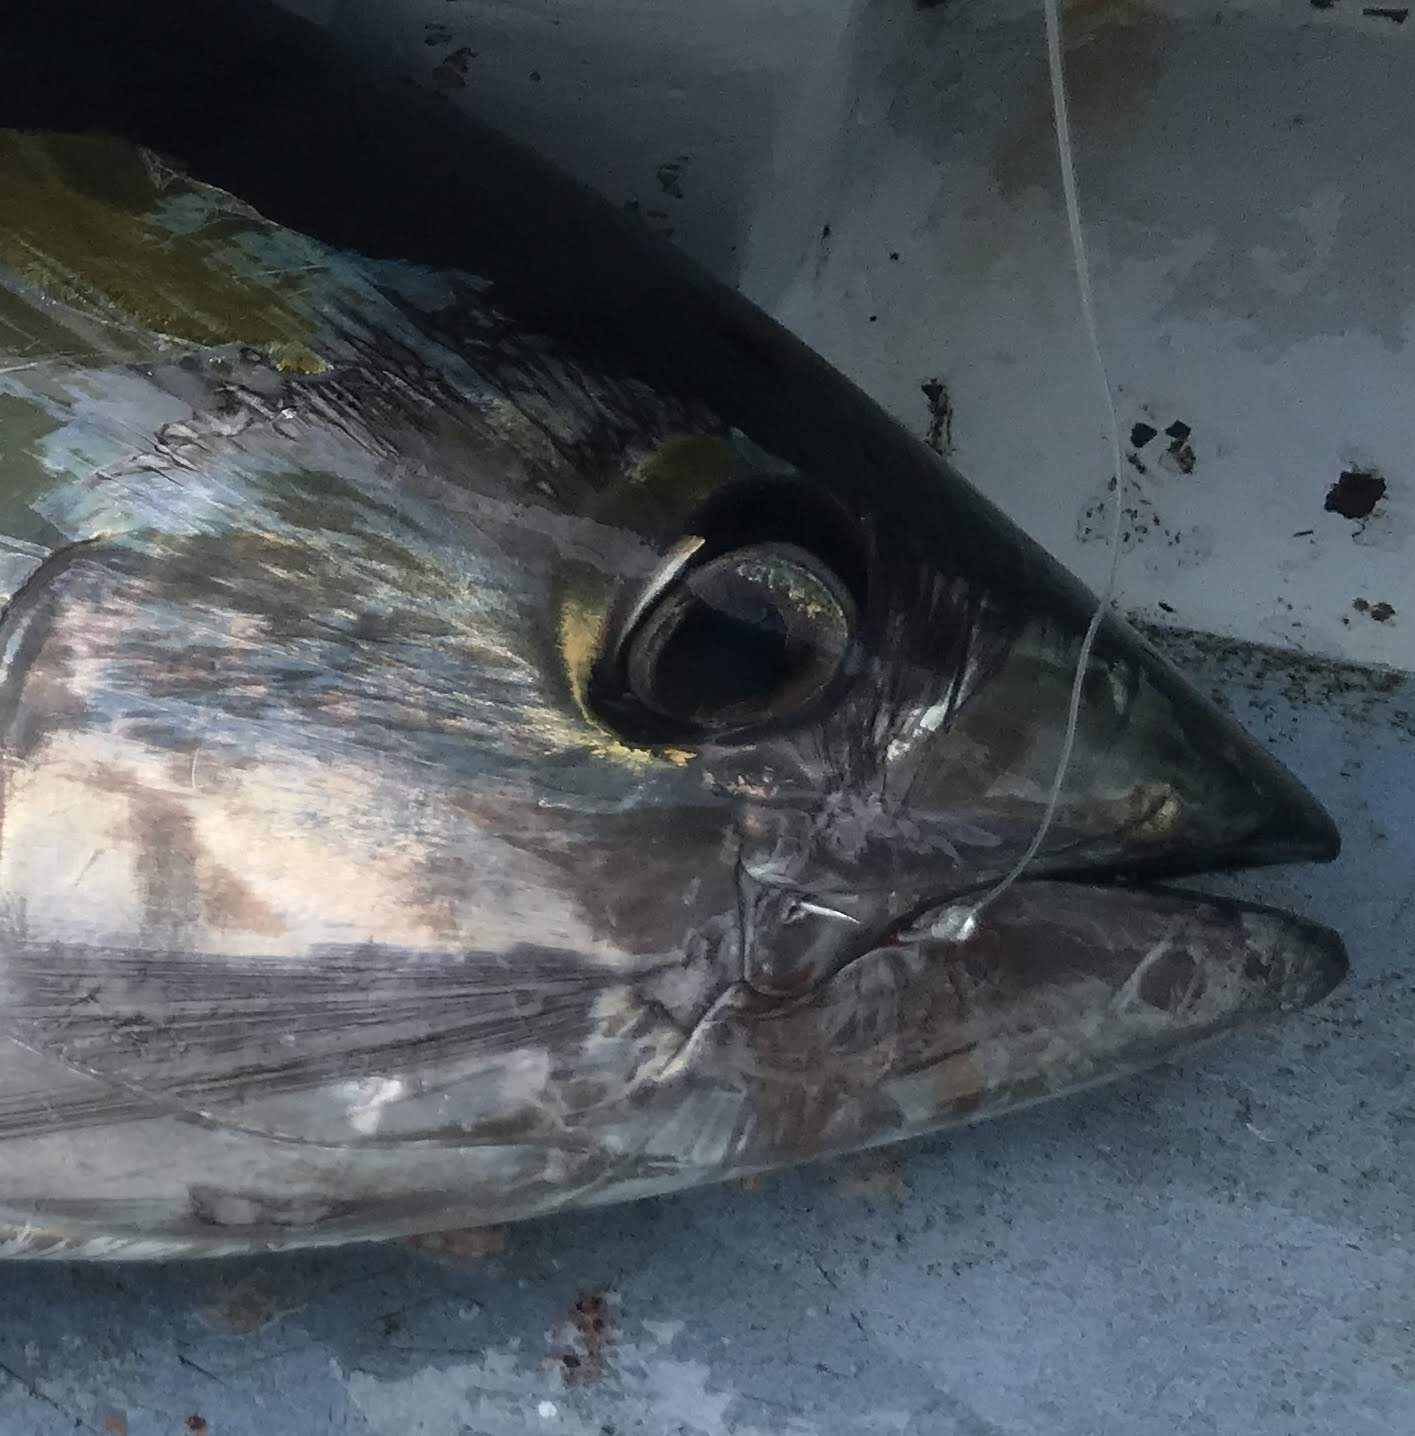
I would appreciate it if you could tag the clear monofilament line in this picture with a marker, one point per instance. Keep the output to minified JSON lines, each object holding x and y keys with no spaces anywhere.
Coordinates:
{"x":1062,"y":117}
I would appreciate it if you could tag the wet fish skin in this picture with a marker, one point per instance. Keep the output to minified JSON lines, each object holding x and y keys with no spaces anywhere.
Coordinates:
{"x":347,"y":889}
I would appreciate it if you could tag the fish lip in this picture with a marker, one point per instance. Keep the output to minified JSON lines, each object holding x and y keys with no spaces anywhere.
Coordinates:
{"x":1320,"y":842}
{"x":1326,"y":962}
{"x":1275,"y":847}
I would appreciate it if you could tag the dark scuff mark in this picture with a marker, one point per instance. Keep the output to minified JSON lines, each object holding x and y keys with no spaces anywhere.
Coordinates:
{"x":1381,"y":612}
{"x":1355,"y":494}
{"x":1398,"y":15}
{"x":451,"y":74}
{"x":436,"y":34}
{"x":1304,"y":533}
{"x":590,"y":1318}
{"x":1257,"y":676}
{"x":940,"y":431}
{"x":1183,"y":456}
{"x":670,"y":176}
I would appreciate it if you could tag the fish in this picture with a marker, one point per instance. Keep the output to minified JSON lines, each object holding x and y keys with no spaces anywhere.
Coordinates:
{"x":491,"y":723}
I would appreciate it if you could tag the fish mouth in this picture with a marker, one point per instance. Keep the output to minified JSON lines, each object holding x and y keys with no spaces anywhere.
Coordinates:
{"x":1296,"y":830}
{"x":1070,"y":978}
{"x":971,"y":999}
{"x":979,"y":1005}
{"x":985,"y":1002}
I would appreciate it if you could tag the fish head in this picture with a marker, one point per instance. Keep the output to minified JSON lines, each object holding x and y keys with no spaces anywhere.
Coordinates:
{"x":879,"y":681}
{"x":522,"y":765}
{"x":657,"y":778}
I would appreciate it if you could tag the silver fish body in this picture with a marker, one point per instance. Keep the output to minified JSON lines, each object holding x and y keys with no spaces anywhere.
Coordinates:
{"x":490,"y":723}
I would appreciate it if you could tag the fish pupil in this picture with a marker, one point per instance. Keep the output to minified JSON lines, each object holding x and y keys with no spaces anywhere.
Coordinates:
{"x":716,"y":659}
{"x":754,"y":635}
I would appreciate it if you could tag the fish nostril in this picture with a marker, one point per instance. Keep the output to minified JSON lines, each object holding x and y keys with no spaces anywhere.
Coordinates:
{"x":1171,"y":982}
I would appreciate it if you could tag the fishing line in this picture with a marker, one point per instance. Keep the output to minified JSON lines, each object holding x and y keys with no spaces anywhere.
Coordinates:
{"x":1061,"y":115}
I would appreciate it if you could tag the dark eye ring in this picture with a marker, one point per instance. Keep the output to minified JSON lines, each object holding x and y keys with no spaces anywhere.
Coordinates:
{"x":753,"y":636}
{"x":749,"y":638}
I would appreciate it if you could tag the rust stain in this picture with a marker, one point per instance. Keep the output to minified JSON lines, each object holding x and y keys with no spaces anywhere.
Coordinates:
{"x":245,"y":1308}
{"x":114,"y":1424}
{"x":1112,"y":62}
{"x":469,"y":1243}
{"x":591,"y":1321}
{"x":873,"y":1178}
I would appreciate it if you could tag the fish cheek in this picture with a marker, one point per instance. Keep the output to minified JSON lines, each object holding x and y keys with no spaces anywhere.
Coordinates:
{"x":654,"y":881}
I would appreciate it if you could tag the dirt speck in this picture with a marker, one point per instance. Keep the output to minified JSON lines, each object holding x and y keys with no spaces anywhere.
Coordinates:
{"x":1355,"y":494}
{"x":1380,"y":612}
{"x":244,"y":1308}
{"x":670,"y":176}
{"x":939,"y":436}
{"x":593,"y":1337}
{"x":872,"y":1178}
{"x":471,"y":1243}
{"x":197,"y":1425}
{"x":749,"y":1184}
{"x":451,"y":74}
{"x":1181,"y":456}
{"x":1141,"y":434}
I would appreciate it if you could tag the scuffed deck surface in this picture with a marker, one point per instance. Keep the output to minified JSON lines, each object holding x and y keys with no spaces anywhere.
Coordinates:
{"x":1223,"y":1245}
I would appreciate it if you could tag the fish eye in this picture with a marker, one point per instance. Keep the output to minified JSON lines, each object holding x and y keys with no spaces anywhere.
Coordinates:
{"x":753,"y":636}
{"x":747,"y":625}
